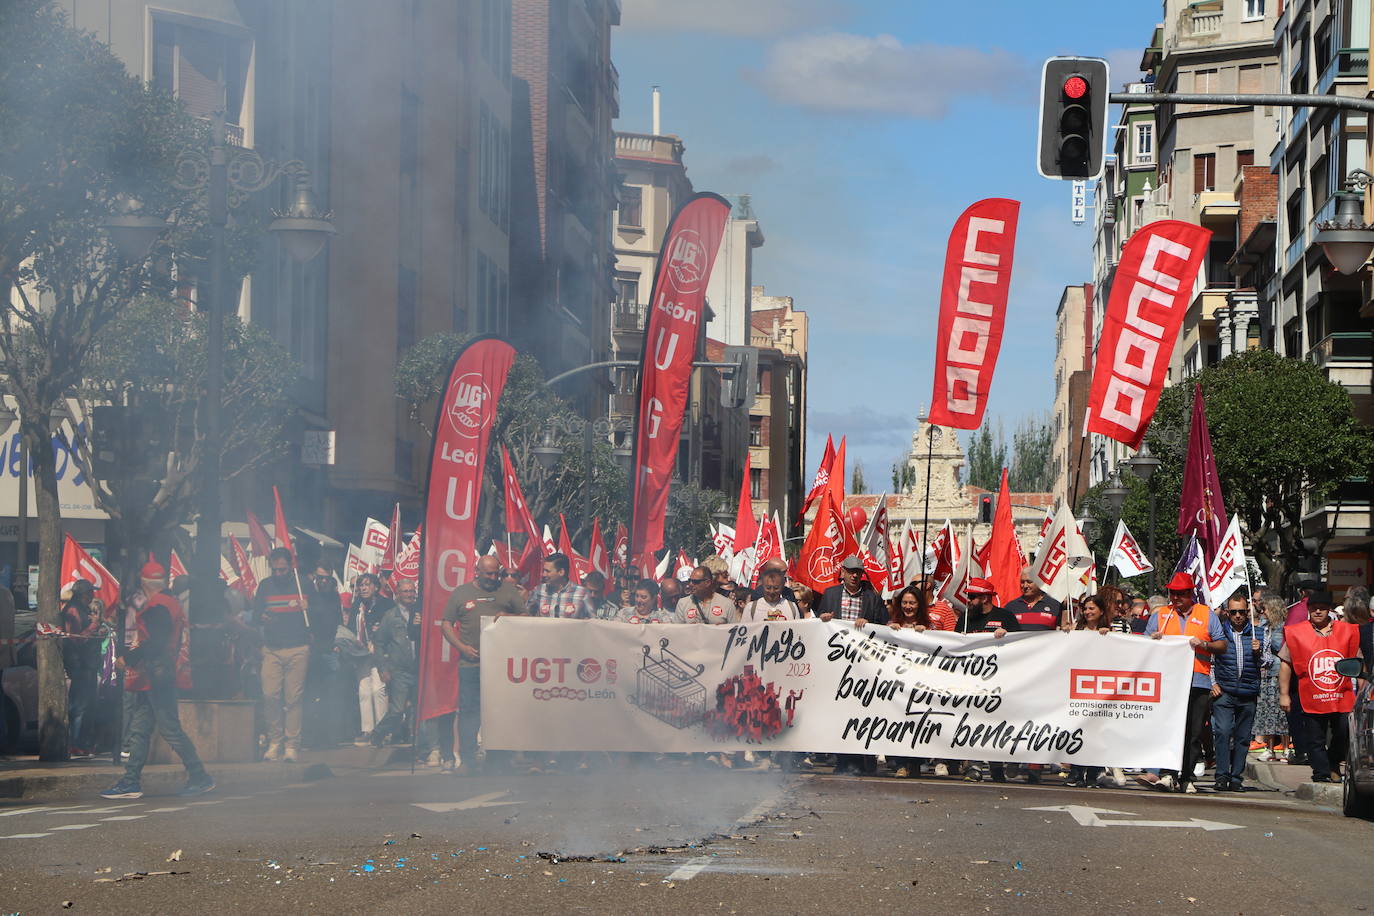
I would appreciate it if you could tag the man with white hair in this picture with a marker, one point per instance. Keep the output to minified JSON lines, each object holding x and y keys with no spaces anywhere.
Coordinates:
{"x":1034,"y":609}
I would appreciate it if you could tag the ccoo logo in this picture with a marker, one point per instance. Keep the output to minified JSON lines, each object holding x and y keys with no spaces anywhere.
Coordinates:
{"x":470,"y":407}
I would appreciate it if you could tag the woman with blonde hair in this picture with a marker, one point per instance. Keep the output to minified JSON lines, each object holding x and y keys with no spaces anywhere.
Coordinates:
{"x":1271,"y":725}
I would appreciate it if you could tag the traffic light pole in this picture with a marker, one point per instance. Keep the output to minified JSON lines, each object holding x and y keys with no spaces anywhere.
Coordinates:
{"x":1215,"y":98}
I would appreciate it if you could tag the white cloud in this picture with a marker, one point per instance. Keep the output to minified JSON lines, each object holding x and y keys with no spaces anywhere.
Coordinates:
{"x":748,"y":18}
{"x":878,"y":74}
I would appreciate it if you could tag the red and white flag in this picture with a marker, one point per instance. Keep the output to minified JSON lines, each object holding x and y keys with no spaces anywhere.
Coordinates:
{"x":671,"y":336}
{"x":723,"y":539}
{"x":621,"y":551}
{"x":357,"y":562}
{"x":1228,"y":571}
{"x":283,"y":530}
{"x":822,"y":480}
{"x":77,"y":563}
{"x":408,"y":560}
{"x":175,"y":567}
{"x":258,"y":538}
{"x":518,"y":517}
{"x":828,"y":542}
{"x":973,"y":309}
{"x":955,"y":588}
{"x":1063,"y":557}
{"x":393,"y":540}
{"x":248,"y":580}
{"x":767,"y":546}
{"x":597,"y":555}
{"x":1045,"y":528}
{"x":1126,"y":554}
{"x":911,"y":553}
{"x":876,"y":547}
{"x":945,"y":553}
{"x":1151,"y":292}
{"x":376,"y":542}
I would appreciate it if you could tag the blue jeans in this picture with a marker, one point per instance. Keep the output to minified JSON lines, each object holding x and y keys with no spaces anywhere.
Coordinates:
{"x":469,"y":712}
{"x":157,"y":708}
{"x":1233,"y":721}
{"x":81,"y":696}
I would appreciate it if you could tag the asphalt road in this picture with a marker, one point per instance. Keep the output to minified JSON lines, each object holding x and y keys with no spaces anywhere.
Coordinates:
{"x":674,"y":839}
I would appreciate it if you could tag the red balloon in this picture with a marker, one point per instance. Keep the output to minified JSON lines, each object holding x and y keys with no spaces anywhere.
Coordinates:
{"x":858,"y":518}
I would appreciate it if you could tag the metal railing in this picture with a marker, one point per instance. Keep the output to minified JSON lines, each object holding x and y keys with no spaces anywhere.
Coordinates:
{"x":1342,"y":347}
{"x":1293,"y":254}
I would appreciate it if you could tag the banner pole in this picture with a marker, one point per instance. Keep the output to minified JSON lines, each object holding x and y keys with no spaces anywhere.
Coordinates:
{"x":925,"y":520}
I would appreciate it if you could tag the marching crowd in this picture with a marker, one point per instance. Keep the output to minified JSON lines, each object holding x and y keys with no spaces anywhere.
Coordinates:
{"x":331,"y":669}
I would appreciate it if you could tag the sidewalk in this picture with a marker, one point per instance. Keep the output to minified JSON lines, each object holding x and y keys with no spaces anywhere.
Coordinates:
{"x":1294,"y":781}
{"x":26,"y":777}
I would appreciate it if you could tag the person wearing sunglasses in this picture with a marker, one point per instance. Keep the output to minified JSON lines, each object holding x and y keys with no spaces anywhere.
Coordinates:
{"x":702,"y":603}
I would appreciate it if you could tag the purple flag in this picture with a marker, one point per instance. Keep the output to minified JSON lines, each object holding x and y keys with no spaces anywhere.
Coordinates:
{"x":1201,"y":511}
{"x":1190,"y":562}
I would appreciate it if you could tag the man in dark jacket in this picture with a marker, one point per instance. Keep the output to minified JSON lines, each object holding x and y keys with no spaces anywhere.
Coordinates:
{"x":280,"y":609}
{"x":853,"y":599}
{"x":394,"y":654}
{"x":1235,"y":691}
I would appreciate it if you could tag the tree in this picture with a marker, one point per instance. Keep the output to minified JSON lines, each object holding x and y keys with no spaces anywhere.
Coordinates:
{"x":856,"y":479}
{"x":987,"y":455}
{"x":1032,"y":445}
{"x":689,"y":526}
{"x":80,"y":140}
{"x":903,"y":476}
{"x":146,"y":446}
{"x":527,"y":409}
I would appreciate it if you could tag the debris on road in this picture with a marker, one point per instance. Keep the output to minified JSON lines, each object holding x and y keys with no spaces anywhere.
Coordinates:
{"x":138,"y":876}
{"x":175,"y":856}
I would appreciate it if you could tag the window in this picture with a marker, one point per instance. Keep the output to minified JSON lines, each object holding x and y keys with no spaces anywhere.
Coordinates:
{"x":1144,"y":143}
{"x":493,"y":164}
{"x":496,"y":36}
{"x":756,"y":483}
{"x":626,"y":292}
{"x":492,"y":295}
{"x":1251,"y":78}
{"x":1206,"y":81}
{"x":1254,"y":9}
{"x":760,"y":382}
{"x":756,"y":432}
{"x":1204,"y":172}
{"x":206,"y":69}
{"x":1244,"y":157}
{"x":632,"y":207}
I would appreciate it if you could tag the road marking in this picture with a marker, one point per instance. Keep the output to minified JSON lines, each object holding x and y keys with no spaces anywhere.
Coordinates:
{"x":218,"y":801}
{"x":489,"y":800}
{"x":689,"y":869}
{"x":24,"y":836}
{"x":111,"y":809}
{"x":33,"y":810}
{"x":125,"y":817}
{"x":226,"y":798}
{"x":75,"y":827}
{"x":167,"y":810}
{"x":1088,"y":817}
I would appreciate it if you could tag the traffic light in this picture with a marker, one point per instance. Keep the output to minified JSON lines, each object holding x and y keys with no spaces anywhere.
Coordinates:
{"x":985,"y":507}
{"x":1073,"y":118}
{"x":742,"y":383}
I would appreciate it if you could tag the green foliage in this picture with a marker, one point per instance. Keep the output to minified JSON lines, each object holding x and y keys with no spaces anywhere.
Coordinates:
{"x":528,"y":408}
{"x":689,"y":523}
{"x":1032,"y":446}
{"x":856,"y":479}
{"x":987,"y":455}
{"x":903,"y":476}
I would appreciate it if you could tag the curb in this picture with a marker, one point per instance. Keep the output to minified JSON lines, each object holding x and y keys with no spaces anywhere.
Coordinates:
{"x":1320,"y":793}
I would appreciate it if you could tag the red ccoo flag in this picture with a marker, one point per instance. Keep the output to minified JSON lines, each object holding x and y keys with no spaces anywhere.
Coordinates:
{"x":283,"y":532}
{"x":1005,"y":559}
{"x":822,"y":481}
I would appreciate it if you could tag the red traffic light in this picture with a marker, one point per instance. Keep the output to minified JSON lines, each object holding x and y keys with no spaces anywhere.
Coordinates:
{"x":1075,"y":87}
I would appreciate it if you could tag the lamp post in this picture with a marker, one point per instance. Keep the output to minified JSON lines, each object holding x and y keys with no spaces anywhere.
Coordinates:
{"x":227,"y":176}
{"x":1143,"y":465}
{"x":548,"y":451}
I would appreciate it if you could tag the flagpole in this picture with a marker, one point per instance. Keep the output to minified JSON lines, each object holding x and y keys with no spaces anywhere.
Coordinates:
{"x":925,"y":520}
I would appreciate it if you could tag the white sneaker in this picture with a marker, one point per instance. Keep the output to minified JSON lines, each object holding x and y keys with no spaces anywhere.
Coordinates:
{"x":1189,"y":789}
{"x":941,"y":769}
{"x":290,"y":755}
{"x":1199,"y":769}
{"x":433,"y":759}
{"x":274,"y":751}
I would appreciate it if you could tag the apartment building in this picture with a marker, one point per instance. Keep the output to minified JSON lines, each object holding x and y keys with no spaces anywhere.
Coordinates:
{"x":777,"y":419}
{"x":1073,"y":348}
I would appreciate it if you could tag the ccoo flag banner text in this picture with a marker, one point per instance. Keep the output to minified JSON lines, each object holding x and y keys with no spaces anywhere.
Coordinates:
{"x":817,"y":686}
{"x":973,"y":310}
{"x":467,"y":412}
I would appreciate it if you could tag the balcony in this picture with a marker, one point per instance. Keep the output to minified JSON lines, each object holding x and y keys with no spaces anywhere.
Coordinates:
{"x":1295,"y":126}
{"x":1345,"y":357}
{"x":628,"y":317}
{"x":1349,"y":63}
{"x":1293,"y":254}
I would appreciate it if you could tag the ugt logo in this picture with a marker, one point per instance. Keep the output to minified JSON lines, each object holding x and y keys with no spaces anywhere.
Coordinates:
{"x":470,"y":406}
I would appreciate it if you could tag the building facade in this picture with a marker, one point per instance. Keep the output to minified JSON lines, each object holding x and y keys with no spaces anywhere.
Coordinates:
{"x":1073,"y":347}
{"x":777,"y":418}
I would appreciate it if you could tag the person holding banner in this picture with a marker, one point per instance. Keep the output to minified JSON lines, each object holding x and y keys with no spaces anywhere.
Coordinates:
{"x":853,"y":599}
{"x":1309,"y":653}
{"x":771,"y":605}
{"x":557,"y":597}
{"x":1034,"y":609}
{"x":703,"y":604}
{"x":1196,"y":621}
{"x":643,"y":607}
{"x":982,"y":616}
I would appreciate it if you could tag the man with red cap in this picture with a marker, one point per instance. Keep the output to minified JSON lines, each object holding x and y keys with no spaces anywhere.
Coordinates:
{"x":1311,"y":649}
{"x":155,"y":665}
{"x":982,"y":616}
{"x":1185,"y":617}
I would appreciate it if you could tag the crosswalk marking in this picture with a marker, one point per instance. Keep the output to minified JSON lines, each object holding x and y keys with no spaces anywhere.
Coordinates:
{"x":74,"y":827}
{"x":33,"y":810}
{"x":24,"y":836}
{"x":125,"y":817}
{"x":167,"y":810}
{"x":218,"y":801}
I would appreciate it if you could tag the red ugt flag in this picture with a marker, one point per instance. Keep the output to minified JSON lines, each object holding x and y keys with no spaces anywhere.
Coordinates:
{"x":78,"y":564}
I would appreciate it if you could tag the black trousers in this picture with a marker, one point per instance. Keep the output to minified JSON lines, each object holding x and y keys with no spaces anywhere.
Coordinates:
{"x":1322,"y":736}
{"x":1199,"y":708}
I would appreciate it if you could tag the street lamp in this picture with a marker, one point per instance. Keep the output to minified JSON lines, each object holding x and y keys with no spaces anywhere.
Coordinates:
{"x":547,"y":452}
{"x":1089,"y":525}
{"x":1347,"y":239}
{"x":722,"y":515}
{"x":132,"y":232}
{"x":227,"y":176}
{"x":1143,"y":465}
{"x":1114,"y":493}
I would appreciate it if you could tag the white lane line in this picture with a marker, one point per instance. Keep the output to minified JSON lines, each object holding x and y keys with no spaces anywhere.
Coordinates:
{"x":125,"y":817}
{"x":24,"y":836}
{"x":83,"y":809}
{"x":112,"y":808}
{"x":688,"y":870}
{"x":75,"y":827}
{"x":33,"y":810}
{"x":236,"y":797}
{"x":218,"y":801}
{"x":167,"y":810}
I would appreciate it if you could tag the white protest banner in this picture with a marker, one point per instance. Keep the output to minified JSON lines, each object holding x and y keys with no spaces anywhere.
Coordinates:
{"x":1126,"y":554}
{"x":816,"y":686}
{"x":376,"y":538}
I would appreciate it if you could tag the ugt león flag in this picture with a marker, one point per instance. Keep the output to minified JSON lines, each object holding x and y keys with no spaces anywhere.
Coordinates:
{"x":670,"y":344}
{"x":1150,"y":295}
{"x":973,"y":308}
{"x":448,"y":553}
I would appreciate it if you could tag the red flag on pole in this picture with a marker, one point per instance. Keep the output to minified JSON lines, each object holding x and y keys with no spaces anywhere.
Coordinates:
{"x":175,"y":567}
{"x":828,"y":542}
{"x":258,"y":538}
{"x":746,"y":526}
{"x":248,"y":580}
{"x":518,"y":518}
{"x":767,"y":546}
{"x":622,"y":546}
{"x":283,"y":532}
{"x":670,"y":342}
{"x":822,"y":481}
{"x":408,"y":560}
{"x":78,"y":564}
{"x":1005,"y":559}
{"x":1201,"y":511}
{"x":1151,"y":293}
{"x":565,"y":547}
{"x":600,"y":559}
{"x":462,"y":427}
{"x":973,"y":309}
{"x":393,"y":541}
{"x":836,"y":480}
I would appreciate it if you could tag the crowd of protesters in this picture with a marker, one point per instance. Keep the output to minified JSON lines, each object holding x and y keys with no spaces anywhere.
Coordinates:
{"x":331,"y":669}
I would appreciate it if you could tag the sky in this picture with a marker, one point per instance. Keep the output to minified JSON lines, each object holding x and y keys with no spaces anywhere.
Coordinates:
{"x":862,"y":129}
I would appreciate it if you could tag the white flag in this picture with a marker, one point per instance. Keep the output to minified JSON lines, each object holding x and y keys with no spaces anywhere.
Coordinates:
{"x":550,"y":545}
{"x":1228,"y":571}
{"x":912,"y":555}
{"x":723,"y":537}
{"x":955,"y":588}
{"x":1062,"y":557}
{"x":1126,"y":554}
